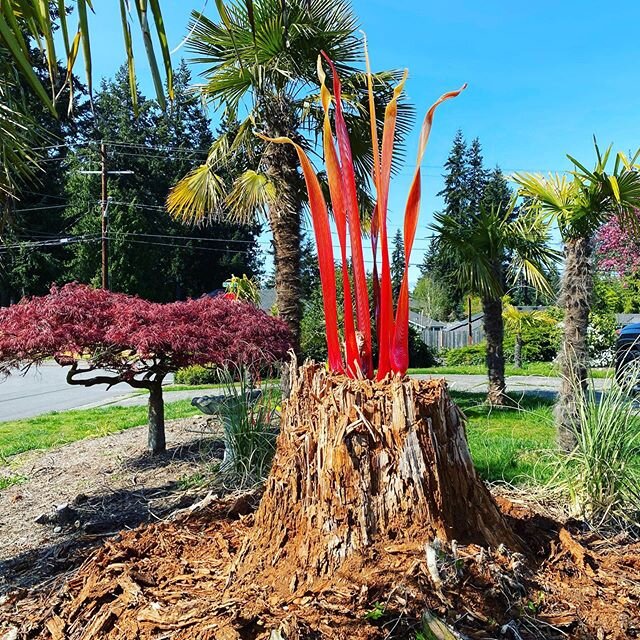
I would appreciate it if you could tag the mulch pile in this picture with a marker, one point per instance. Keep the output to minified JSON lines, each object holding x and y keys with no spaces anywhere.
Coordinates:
{"x":175,"y":579}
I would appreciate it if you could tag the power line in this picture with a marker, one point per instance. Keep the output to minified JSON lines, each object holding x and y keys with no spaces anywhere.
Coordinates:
{"x":50,"y":206}
{"x":54,"y":242}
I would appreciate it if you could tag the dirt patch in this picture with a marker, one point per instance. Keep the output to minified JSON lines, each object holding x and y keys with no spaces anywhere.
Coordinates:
{"x":77,"y":494}
{"x":176,"y":580}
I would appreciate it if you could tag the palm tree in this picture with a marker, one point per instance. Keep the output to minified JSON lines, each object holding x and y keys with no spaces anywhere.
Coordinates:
{"x":479,"y":246}
{"x":580,"y":204}
{"x":261,"y":61}
{"x":517,"y":321}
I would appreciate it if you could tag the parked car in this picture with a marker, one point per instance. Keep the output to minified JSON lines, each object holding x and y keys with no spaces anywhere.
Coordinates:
{"x":628,"y":354}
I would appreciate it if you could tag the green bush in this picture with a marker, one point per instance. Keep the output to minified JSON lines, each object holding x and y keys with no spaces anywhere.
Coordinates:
{"x":196,"y":375}
{"x":540,"y":344}
{"x":601,"y":339}
{"x":420,"y":354}
{"x":474,"y":354}
{"x":540,"y":332}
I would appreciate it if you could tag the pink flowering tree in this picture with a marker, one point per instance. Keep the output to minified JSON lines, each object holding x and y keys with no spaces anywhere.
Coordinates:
{"x":617,"y":248}
{"x":111,"y":338}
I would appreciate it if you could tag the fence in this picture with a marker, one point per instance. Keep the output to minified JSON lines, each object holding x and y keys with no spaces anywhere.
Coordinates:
{"x":442,"y":339}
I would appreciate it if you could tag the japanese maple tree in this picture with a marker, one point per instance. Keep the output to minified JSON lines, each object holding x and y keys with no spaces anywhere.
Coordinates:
{"x":111,"y":338}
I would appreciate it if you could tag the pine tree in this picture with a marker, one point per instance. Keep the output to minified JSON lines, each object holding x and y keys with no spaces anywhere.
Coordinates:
{"x":496,"y":192}
{"x":397,"y":263}
{"x":475,"y":177}
{"x":456,"y":179}
{"x":309,"y":270}
{"x":455,"y":194}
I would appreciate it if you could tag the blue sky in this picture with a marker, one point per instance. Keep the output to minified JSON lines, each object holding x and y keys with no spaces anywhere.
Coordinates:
{"x":543,"y":77}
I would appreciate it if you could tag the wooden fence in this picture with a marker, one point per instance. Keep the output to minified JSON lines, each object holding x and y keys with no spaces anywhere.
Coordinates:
{"x":443,"y":339}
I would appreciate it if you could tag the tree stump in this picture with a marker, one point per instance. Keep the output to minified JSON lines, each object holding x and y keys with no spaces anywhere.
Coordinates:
{"x":360,"y":461}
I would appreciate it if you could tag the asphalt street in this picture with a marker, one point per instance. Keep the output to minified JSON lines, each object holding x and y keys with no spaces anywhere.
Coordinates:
{"x":45,"y":389}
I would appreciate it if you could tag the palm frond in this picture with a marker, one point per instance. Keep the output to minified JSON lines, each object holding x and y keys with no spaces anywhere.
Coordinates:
{"x":18,"y":133}
{"x":36,"y":18}
{"x":250,"y":196}
{"x":198,"y":197}
{"x":581,"y":204}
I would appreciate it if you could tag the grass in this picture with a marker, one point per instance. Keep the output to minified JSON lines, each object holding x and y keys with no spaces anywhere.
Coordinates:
{"x":57,"y":428}
{"x":507,"y":443}
{"x":544,"y":369}
{"x":189,"y":387}
{"x":9,"y":481}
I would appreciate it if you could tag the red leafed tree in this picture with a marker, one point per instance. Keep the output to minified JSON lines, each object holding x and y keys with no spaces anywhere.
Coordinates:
{"x":111,"y":338}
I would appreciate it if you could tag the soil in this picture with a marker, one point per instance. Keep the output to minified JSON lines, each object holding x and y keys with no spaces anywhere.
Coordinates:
{"x":74,"y":496}
{"x":172,"y":580}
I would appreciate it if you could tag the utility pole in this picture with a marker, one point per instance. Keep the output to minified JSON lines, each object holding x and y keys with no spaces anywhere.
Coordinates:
{"x":469,"y":323}
{"x":104,"y":209}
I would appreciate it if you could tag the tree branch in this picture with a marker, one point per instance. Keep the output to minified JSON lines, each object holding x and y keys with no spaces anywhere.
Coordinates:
{"x":90,"y":382}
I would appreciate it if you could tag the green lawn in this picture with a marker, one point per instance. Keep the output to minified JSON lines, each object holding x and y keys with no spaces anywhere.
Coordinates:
{"x":545,"y":369}
{"x":505,"y":443}
{"x":508,"y":444}
{"x":53,"y":429}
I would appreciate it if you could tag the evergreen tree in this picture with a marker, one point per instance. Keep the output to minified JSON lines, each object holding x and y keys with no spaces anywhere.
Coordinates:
{"x":397,"y":264}
{"x":455,"y":194}
{"x":475,"y":177}
{"x":144,"y":241}
{"x":456,"y":179}
{"x":309,"y":269}
{"x":496,"y":191}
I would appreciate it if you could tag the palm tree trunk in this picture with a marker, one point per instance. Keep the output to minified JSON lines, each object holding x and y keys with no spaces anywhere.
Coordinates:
{"x":517,"y":352}
{"x":575,"y":297}
{"x":285,"y":213}
{"x":494,"y":330}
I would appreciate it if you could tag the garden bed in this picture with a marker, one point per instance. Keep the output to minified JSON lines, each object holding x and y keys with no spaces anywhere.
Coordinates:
{"x":174,"y":579}
{"x":106,"y":484}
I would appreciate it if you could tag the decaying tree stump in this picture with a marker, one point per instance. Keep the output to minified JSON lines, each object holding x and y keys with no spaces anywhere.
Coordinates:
{"x":360,"y":461}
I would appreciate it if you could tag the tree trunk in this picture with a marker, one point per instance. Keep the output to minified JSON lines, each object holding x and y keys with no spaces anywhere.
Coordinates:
{"x":517,"y":352}
{"x":358,"y":463}
{"x":285,"y":213}
{"x":157,"y":442}
{"x":494,"y":330}
{"x":575,"y":297}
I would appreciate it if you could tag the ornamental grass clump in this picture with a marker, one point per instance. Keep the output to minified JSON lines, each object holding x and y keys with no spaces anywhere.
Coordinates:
{"x":391,"y":323}
{"x":602,"y":472}
{"x":249,"y":418}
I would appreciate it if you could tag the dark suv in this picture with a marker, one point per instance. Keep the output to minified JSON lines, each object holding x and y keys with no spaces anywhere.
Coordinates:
{"x":628,"y":353}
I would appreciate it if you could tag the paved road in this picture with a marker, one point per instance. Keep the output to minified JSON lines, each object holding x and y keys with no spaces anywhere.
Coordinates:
{"x":45,"y":389}
{"x":542,"y":385}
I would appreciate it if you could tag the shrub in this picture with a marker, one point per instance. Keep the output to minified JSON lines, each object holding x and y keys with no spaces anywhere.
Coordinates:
{"x":474,"y":354}
{"x":420,"y":353}
{"x":541,"y":336}
{"x":601,"y":339}
{"x":196,"y":375}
